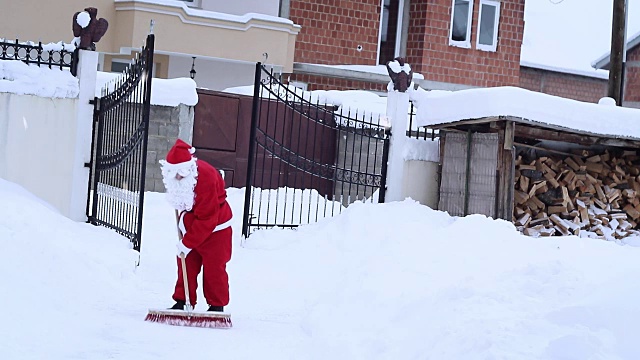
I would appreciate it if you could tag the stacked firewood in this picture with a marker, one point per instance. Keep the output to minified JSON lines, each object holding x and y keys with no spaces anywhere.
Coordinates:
{"x":586,"y":194}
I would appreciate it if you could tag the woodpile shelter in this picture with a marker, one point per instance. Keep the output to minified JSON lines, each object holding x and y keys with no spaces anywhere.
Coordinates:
{"x":553,"y":166}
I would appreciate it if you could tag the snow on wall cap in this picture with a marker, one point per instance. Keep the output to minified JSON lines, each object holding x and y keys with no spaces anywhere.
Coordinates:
{"x":180,"y":155}
{"x":396,"y":67}
{"x":83,"y":19}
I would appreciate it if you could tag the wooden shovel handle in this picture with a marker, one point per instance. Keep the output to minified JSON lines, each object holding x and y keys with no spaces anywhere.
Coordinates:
{"x":185,"y":280}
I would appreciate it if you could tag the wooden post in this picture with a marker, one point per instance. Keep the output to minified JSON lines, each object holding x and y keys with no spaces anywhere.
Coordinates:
{"x":617,"y":49}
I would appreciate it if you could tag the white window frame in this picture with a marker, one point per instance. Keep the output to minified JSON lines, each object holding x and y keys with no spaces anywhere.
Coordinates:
{"x":496,"y":23}
{"x":467,"y":43}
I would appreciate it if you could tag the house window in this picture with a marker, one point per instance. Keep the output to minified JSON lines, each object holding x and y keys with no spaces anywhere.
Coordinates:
{"x":460,"y":33}
{"x":488,"y":25}
{"x":391,"y":18}
{"x":119,"y":65}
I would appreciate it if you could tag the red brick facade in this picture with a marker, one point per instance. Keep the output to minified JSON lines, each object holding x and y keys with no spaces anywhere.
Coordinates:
{"x":565,"y":85}
{"x":632,"y":88}
{"x":331,"y":31}
{"x":429,"y":52}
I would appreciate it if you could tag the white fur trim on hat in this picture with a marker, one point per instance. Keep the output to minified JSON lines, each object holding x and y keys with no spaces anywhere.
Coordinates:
{"x":178,"y":166}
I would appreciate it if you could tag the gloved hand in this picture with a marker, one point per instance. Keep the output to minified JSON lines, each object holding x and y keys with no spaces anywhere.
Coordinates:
{"x":182,"y":249}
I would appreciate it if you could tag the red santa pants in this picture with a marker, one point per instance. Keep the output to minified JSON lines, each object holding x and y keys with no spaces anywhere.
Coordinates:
{"x":212,"y":256}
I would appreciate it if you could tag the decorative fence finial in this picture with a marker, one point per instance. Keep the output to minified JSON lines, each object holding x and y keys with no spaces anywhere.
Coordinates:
{"x":400,"y":73}
{"x":88,"y":29}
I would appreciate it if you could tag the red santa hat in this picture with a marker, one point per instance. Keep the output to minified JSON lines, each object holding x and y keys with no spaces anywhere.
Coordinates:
{"x":179,"y":156}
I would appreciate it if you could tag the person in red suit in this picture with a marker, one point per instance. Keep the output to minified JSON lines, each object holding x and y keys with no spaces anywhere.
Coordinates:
{"x":196,"y":190}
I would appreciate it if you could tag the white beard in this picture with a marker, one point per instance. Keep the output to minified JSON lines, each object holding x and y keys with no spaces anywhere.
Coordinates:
{"x":180,"y":193}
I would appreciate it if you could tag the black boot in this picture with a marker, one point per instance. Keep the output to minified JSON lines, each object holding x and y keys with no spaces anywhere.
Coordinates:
{"x":216,"y":308}
{"x":179,"y":305}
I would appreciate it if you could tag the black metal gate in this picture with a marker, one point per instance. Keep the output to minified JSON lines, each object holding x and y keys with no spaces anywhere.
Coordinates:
{"x":308,"y":160}
{"x":119,"y":149}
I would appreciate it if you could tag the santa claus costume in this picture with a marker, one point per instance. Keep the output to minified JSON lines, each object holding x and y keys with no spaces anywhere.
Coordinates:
{"x":196,"y":190}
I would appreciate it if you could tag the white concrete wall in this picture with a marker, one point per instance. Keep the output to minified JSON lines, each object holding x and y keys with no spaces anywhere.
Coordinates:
{"x":38,"y":146}
{"x":420,"y":182}
{"x":241,"y":7}
{"x":45,"y":142}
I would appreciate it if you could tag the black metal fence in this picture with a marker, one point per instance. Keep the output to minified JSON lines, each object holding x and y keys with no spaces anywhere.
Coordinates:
{"x":32,"y":53}
{"x":307,"y":159}
{"x":416,"y":132}
{"x":119,"y":149}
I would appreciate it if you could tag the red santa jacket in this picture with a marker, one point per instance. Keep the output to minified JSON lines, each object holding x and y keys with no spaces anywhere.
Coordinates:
{"x":210,"y":211}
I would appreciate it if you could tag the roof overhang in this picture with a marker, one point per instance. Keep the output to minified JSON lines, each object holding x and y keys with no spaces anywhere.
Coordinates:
{"x":444,"y":109}
{"x":603,"y":61}
{"x":542,"y":131}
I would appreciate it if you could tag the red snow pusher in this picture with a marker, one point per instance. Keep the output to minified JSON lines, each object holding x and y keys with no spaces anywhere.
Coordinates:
{"x":188,"y":317}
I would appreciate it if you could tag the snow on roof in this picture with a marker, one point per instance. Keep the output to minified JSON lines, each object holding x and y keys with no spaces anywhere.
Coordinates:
{"x":212,"y":14}
{"x":442,"y":107}
{"x":569,"y":35}
{"x":603,"y":60}
{"x":365,"y":69}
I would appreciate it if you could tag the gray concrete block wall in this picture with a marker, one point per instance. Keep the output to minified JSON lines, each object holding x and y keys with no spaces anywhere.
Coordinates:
{"x":166,"y":124}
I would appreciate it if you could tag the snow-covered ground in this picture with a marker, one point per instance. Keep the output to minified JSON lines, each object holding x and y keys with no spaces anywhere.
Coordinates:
{"x":380,"y":281}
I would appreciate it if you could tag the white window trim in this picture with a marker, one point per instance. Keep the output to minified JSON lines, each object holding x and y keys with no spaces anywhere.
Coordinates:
{"x":380,"y":30}
{"x":496,"y":23}
{"x":399,"y":27}
{"x":467,"y":43}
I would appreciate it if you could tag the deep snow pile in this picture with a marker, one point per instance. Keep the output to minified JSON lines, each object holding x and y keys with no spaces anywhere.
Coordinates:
{"x":386,"y":281}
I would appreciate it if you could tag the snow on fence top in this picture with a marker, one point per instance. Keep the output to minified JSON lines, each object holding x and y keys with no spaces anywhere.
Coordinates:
{"x":360,"y":104}
{"x":442,"y":107}
{"x":16,"y":77}
{"x":165,"y":92}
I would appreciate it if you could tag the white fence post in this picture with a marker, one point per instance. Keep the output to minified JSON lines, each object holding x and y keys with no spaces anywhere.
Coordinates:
{"x":87,"y":73}
{"x":397,"y":114}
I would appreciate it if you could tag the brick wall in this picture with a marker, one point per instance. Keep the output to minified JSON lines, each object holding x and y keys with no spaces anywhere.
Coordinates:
{"x":632,"y":81}
{"x":315,"y":82}
{"x":333,"y":29}
{"x":429,"y":52}
{"x":565,"y":85}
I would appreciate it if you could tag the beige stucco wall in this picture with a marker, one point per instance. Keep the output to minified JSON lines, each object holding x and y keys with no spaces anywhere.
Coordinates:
{"x":50,"y":21}
{"x":204,"y":36}
{"x":178,"y":31}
